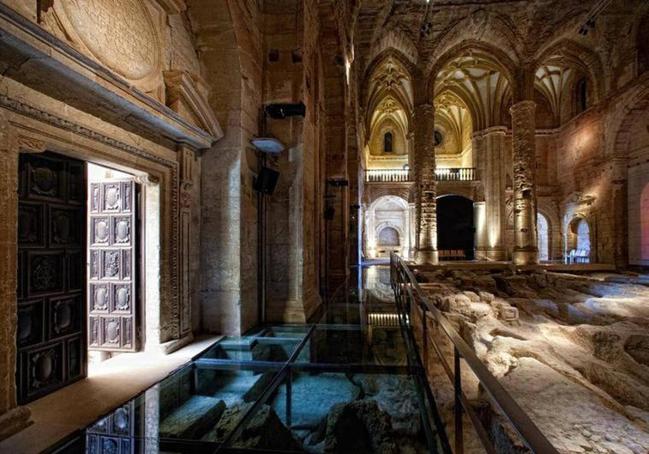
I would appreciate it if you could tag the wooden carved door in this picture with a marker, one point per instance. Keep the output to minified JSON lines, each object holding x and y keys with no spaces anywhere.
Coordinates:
{"x":51,"y":274}
{"x":111,"y":279}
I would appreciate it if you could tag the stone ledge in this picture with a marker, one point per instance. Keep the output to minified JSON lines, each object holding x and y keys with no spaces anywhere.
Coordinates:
{"x":14,"y":421}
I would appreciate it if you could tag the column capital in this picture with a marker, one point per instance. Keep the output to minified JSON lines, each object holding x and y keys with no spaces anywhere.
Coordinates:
{"x":492,"y":131}
{"x":521,"y":106}
{"x":425,"y":107}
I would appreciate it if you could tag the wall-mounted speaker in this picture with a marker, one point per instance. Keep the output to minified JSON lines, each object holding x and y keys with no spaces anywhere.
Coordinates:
{"x":266,"y":181}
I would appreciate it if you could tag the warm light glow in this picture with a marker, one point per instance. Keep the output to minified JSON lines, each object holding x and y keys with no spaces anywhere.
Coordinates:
{"x":644,"y":216}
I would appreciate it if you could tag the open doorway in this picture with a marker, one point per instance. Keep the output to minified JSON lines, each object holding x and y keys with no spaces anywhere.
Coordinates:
{"x":115,"y":312}
{"x":543,"y":237}
{"x":455,"y":228}
{"x":88,"y":269}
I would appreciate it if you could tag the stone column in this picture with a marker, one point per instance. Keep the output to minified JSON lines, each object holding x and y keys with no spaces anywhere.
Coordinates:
{"x":493,"y":174}
{"x":524,"y":157}
{"x":12,"y":418}
{"x":412,"y":229}
{"x":426,"y":184}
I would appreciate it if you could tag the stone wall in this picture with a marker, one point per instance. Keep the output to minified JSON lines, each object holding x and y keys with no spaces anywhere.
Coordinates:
{"x":293,"y":75}
{"x":229,"y":43}
{"x":76,"y":82}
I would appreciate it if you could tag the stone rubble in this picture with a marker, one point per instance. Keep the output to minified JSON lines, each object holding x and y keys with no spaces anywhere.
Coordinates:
{"x":572,"y":350}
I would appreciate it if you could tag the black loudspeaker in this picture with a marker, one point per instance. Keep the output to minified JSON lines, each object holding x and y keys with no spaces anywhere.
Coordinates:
{"x":266,"y":181}
{"x":281,"y":111}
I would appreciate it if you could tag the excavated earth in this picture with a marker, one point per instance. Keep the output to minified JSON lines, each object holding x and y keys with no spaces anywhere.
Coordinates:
{"x":572,"y":350}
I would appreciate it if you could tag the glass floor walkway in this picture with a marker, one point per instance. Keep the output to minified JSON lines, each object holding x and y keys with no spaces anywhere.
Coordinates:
{"x":347,"y":384}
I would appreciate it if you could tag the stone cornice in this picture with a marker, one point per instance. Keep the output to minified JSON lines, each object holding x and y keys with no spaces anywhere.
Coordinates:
{"x":30,"y":111}
{"x":183,"y":96}
{"x":58,"y":70}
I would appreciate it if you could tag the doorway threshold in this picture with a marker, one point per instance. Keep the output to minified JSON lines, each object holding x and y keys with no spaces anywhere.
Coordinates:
{"x":111,"y":383}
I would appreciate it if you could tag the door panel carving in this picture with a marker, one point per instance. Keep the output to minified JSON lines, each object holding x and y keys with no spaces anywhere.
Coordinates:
{"x":111,"y":285}
{"x":51,"y":274}
{"x":114,"y":433}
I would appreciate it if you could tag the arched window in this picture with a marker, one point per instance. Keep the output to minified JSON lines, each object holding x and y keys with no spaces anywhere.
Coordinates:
{"x":438,"y":138}
{"x":543,"y":232}
{"x":582,"y":95}
{"x":387,"y":142}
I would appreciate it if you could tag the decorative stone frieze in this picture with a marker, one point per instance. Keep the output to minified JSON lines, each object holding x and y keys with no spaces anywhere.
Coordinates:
{"x":524,"y":158}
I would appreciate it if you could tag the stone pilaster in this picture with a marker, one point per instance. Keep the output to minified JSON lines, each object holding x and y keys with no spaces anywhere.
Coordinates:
{"x":524,"y":157}
{"x":189,"y":231}
{"x":12,"y":418}
{"x":426,"y":184}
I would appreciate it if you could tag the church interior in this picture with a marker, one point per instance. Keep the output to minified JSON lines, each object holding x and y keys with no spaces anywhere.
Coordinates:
{"x":324,"y":226}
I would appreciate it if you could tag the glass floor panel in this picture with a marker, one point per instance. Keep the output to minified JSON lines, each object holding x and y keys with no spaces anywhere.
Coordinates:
{"x":325,"y":387}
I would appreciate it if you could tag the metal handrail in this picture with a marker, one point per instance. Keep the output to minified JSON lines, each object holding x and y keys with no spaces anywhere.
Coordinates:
{"x":403,"y":281}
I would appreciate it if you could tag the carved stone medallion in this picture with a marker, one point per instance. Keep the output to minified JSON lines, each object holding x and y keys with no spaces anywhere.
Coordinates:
{"x":119,"y":33}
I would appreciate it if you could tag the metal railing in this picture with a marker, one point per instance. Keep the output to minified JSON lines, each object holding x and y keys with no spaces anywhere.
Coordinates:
{"x":407,"y":175}
{"x":413,"y":304}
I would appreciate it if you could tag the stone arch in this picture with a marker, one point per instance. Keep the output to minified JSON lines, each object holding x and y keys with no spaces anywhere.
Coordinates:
{"x":374,"y":93}
{"x":389,"y":198}
{"x":373,"y":193}
{"x":470,"y":46}
{"x":543,"y":237}
{"x":550,"y":211}
{"x":385,"y":237}
{"x":387,"y":211}
{"x":579,"y":239}
{"x":466,"y":191}
{"x":396,"y":43}
{"x":488,"y":103}
{"x":632,"y":107}
{"x":490,"y":31}
{"x":569,"y":53}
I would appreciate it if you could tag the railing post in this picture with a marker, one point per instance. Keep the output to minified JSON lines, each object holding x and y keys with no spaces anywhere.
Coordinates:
{"x":459,"y":426}
{"x":289,"y":392}
{"x":424,"y":334}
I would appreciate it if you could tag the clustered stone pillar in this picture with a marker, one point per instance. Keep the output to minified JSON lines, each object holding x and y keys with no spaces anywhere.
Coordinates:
{"x":524,"y":150}
{"x":426,"y":184}
{"x":489,"y":152}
